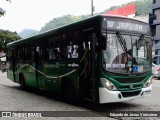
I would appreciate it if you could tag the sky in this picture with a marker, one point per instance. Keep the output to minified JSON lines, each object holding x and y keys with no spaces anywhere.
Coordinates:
{"x":34,"y":14}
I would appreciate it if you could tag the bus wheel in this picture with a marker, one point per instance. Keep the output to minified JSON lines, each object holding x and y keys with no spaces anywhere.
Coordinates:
{"x":22,"y":82}
{"x":68,"y":92}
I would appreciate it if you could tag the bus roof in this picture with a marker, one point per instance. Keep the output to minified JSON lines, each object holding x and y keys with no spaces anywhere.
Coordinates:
{"x":49,"y":32}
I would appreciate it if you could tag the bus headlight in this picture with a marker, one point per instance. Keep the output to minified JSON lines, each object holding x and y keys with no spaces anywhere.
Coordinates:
{"x":148,"y":83}
{"x":107,"y":84}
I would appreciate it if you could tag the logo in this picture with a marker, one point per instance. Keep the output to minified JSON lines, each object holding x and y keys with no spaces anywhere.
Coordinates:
{"x":131,"y":86}
{"x":6,"y":114}
{"x":135,"y":68}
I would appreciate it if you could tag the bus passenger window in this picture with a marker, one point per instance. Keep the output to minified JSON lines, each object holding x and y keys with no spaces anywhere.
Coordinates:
{"x":64,"y":53}
{"x":51,"y":54}
{"x":54,"y":53}
{"x":20,"y":53}
{"x":75,"y":54}
{"x":57,"y":53}
{"x":28,"y":52}
{"x":33,"y":57}
{"x":72,"y":51}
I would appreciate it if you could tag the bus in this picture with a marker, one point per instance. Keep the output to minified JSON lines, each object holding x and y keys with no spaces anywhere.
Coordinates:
{"x":101,"y":59}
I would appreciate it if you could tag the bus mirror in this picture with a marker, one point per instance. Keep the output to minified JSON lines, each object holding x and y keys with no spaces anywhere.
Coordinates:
{"x":102,"y":43}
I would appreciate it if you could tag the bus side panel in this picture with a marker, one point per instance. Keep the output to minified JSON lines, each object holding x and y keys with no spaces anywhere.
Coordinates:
{"x":11,"y":56}
{"x":10,"y":71}
{"x":28,"y":71}
{"x":55,"y":72}
{"x":52,"y":81}
{"x":40,"y":77}
{"x":18,"y":66}
{"x":70,"y":72}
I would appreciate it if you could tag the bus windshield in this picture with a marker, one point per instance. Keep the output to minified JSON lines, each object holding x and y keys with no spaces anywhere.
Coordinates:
{"x":127,"y":53}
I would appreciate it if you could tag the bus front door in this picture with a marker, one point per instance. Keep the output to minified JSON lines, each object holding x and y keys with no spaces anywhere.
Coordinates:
{"x":87,"y":77}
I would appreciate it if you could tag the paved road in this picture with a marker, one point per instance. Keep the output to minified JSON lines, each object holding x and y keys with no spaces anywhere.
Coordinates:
{"x":14,"y":99}
{"x":154,"y":99}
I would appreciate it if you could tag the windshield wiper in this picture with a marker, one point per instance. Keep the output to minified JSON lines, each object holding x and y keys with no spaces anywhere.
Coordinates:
{"x":121,"y":41}
{"x":124,"y":48}
{"x":140,"y":41}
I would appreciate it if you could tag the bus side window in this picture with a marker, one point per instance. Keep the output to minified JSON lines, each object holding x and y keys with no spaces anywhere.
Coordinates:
{"x":64,"y":52}
{"x":51,"y":54}
{"x":72,"y":51}
{"x":9,"y":55}
{"x":20,"y":53}
{"x":54,"y":53}
{"x":29,"y":53}
{"x":53,"y":48}
{"x":70,"y":45}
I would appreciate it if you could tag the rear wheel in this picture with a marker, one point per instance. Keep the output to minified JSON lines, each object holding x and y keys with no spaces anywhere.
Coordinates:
{"x":22,"y":82}
{"x":67,"y":91}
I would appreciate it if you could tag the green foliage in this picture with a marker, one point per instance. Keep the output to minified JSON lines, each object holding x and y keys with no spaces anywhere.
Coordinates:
{"x":61,"y":21}
{"x":2,"y":12}
{"x":7,"y":36}
{"x":143,"y":7}
{"x":111,"y":8}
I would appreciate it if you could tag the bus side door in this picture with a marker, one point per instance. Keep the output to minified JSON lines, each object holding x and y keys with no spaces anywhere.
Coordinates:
{"x":87,"y":74}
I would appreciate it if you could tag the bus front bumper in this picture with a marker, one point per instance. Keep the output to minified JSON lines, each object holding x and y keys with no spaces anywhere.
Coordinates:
{"x":106,"y":96}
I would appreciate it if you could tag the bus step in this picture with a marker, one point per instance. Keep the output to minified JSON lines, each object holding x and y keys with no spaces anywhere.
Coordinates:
{"x":42,"y":89}
{"x":87,"y":99}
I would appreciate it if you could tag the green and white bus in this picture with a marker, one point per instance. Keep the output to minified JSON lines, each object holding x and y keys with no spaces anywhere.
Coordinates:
{"x":102,"y":59}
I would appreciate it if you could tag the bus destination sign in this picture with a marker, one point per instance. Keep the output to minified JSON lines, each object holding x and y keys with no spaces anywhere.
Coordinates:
{"x":128,"y":25}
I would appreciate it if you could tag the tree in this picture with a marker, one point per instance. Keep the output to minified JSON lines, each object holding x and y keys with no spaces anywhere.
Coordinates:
{"x":2,"y":12}
{"x":7,"y":36}
{"x":143,"y":7}
{"x":61,"y":21}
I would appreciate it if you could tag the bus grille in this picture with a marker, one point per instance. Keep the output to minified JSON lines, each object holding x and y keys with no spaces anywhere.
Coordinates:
{"x":130,"y":94}
{"x":128,"y":87}
{"x":130,"y":80}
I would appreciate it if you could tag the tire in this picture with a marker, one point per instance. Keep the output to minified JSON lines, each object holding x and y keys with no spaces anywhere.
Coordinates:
{"x":68,"y":91}
{"x":22,"y":82}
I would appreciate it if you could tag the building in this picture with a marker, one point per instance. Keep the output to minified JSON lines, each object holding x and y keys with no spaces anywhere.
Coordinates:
{"x":143,"y":17}
{"x":127,"y":11}
{"x":155,"y":27}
